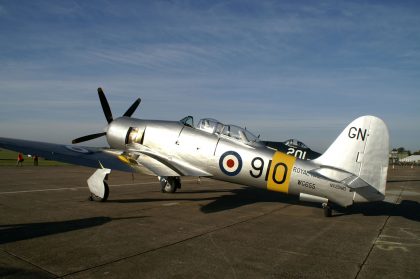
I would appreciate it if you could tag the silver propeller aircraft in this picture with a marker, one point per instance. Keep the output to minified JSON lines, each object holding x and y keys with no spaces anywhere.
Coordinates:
{"x":293,"y":147}
{"x":352,"y":170}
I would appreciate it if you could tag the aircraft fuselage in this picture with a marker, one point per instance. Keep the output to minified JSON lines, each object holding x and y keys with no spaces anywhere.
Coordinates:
{"x":228,"y":159}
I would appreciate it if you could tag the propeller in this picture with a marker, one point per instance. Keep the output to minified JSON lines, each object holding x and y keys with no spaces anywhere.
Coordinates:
{"x":133,"y":108}
{"x":88,"y":137}
{"x":108,"y":115}
{"x":105,"y":105}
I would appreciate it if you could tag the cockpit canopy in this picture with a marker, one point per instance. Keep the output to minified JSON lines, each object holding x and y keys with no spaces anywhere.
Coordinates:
{"x":210,"y":125}
{"x":213,"y":126}
{"x":239,"y":133}
{"x":188,"y":121}
{"x":295,"y":143}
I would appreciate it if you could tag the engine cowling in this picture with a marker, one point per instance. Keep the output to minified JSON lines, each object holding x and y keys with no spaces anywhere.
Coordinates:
{"x":124,"y":130}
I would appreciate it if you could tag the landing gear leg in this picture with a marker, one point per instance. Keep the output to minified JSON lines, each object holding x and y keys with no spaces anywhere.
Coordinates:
{"x":94,"y":197}
{"x":98,"y":185}
{"x":327,"y":209}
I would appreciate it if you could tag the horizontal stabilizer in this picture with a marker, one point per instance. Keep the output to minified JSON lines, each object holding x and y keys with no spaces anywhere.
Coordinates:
{"x":339,"y":176}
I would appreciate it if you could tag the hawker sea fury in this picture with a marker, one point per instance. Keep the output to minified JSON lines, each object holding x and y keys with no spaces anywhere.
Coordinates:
{"x":293,"y":147}
{"x":352,"y":170}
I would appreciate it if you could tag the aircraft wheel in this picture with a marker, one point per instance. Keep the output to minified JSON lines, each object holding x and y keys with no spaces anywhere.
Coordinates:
{"x":170,"y":184}
{"x":327,"y":210}
{"x":168,"y":188}
{"x":93,"y":197}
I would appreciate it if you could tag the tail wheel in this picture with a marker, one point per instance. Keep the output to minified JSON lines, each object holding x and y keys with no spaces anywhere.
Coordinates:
{"x":327,"y":209}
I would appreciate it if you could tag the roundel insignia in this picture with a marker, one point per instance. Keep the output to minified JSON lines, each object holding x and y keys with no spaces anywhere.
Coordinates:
{"x":78,"y":149}
{"x":230,"y":163}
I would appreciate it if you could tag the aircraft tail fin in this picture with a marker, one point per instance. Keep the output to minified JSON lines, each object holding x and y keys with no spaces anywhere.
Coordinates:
{"x":359,"y":156}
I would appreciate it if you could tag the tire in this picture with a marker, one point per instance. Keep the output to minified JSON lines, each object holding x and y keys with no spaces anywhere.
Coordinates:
{"x":106,"y":194}
{"x":169,"y":188}
{"x":327,"y":211}
{"x":93,"y":197}
{"x":169,"y":184}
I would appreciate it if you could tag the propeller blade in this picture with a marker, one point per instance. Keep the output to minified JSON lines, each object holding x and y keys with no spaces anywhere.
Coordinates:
{"x":88,"y":137}
{"x":133,"y":107}
{"x":105,"y":105}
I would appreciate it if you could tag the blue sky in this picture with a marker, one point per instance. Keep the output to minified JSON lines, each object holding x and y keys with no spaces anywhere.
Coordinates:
{"x":298,"y":69}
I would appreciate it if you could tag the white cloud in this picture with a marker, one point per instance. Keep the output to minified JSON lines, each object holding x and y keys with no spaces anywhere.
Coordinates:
{"x":279,"y":68}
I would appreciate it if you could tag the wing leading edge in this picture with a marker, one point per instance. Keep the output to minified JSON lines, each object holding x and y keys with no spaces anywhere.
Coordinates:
{"x":73,"y":154}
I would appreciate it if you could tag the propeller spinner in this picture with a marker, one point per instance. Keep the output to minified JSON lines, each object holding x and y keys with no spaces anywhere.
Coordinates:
{"x":108,"y":115}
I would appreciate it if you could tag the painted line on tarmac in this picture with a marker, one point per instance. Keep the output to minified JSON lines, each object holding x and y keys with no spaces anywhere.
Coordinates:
{"x":76,"y":188}
{"x":43,"y":190}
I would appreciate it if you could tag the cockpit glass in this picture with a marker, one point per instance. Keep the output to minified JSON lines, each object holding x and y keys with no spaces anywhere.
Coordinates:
{"x":210,"y":125}
{"x":239,"y":133}
{"x":213,"y":126}
{"x":188,"y":121}
{"x":295,"y":143}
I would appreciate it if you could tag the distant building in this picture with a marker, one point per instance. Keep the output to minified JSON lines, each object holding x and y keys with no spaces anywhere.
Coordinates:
{"x":396,"y":156}
{"x":403,"y":154}
{"x":411,"y":159}
{"x":393,"y":156}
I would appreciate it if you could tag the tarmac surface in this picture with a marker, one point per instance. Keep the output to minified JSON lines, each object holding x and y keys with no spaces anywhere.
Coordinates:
{"x":49,"y":229}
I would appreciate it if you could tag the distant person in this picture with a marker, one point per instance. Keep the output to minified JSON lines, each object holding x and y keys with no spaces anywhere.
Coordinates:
{"x":35,"y":160}
{"x":20,"y":160}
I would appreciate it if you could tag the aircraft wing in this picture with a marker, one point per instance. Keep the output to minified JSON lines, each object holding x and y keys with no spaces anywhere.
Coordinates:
{"x":149,"y":162}
{"x":73,"y":154}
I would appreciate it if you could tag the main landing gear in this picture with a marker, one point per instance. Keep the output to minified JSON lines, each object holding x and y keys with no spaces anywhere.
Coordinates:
{"x":94,"y":197}
{"x":170,"y":184}
{"x":327,"y":209}
{"x":98,"y":185}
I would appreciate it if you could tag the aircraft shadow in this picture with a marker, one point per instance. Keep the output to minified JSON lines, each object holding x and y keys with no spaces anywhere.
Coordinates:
{"x":17,"y":232}
{"x":399,"y":181}
{"x":248,"y":195}
{"x":203,"y":191}
{"x":406,"y":208}
{"x":245,"y":196}
{"x":235,"y":198}
{"x":170,"y":197}
{"x":9,"y":272}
